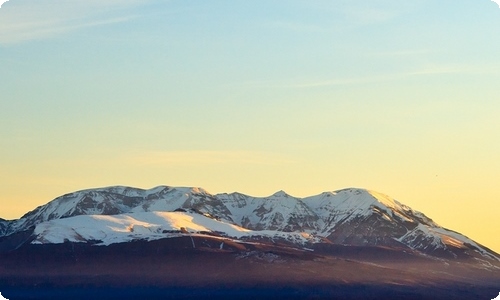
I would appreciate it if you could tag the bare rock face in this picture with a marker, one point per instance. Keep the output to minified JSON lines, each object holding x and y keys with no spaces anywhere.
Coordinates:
{"x":3,"y":226}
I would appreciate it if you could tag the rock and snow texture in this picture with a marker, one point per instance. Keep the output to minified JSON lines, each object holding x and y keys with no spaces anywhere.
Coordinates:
{"x":121,"y":228}
{"x":3,"y":226}
{"x":348,"y":217}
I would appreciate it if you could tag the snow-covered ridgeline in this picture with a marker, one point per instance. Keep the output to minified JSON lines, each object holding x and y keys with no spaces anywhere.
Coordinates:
{"x":349,"y":216}
{"x":121,"y":228}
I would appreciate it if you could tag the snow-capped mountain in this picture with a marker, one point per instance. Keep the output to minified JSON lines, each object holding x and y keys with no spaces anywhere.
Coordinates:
{"x":118,"y":200}
{"x":106,"y":229}
{"x":354,"y":217}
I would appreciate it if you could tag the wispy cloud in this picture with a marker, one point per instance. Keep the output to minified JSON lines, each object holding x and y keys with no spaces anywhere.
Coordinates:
{"x":430,"y":70}
{"x":363,"y":13}
{"x":207,"y":157}
{"x":426,"y":71}
{"x":455,"y":69}
{"x":400,"y":53}
{"x":344,"y":81}
{"x":339,"y":81}
{"x":41,"y":19}
{"x":369,"y":15}
{"x":295,"y":26}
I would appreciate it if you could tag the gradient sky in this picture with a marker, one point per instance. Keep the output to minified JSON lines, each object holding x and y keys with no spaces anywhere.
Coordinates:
{"x":255,"y":96}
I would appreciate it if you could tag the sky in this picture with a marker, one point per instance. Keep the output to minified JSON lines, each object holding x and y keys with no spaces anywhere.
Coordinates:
{"x":399,"y":97}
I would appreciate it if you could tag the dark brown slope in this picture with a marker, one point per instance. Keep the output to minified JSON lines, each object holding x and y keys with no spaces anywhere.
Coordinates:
{"x":172,"y":268}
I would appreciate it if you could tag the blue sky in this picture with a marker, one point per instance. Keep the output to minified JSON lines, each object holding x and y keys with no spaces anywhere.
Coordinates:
{"x":255,"y":96}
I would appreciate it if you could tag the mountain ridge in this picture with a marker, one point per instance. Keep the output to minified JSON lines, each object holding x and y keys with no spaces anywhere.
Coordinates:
{"x":350,"y":216}
{"x":185,"y":242}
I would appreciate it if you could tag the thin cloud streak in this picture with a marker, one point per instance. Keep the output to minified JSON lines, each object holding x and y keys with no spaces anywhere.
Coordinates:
{"x":398,"y":76}
{"x":43,"y":19}
{"x":28,"y":32}
{"x":428,"y":71}
{"x":348,"y":81}
{"x":295,"y":26}
{"x":403,"y":53}
{"x":456,"y":69}
{"x":202,"y":157}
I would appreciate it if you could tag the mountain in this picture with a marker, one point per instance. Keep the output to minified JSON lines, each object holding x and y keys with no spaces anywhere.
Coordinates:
{"x":355,"y":217}
{"x":339,"y":243}
{"x":117,"y":200}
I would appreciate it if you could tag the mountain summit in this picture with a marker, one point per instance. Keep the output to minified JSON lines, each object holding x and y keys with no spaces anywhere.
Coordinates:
{"x":349,"y":217}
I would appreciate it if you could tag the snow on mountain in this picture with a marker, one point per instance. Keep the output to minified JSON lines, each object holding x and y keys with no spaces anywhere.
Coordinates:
{"x":360,"y":217}
{"x":279,"y":211}
{"x":197,"y":199}
{"x":121,"y":228}
{"x":356,"y":217}
{"x":344,"y":205}
{"x":118,"y":200}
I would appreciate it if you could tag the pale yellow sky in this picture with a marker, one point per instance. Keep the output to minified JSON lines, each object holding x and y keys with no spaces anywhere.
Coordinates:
{"x":397,"y":97}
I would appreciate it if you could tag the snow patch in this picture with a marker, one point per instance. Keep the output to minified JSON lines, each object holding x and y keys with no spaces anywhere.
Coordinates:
{"x":146,"y":226}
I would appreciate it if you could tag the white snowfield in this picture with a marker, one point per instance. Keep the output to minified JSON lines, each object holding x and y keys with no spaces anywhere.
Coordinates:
{"x":143,"y":226}
{"x":157,"y":225}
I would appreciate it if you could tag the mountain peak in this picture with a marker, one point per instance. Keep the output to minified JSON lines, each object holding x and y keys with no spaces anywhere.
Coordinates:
{"x":280,"y":194}
{"x":199,"y":190}
{"x":352,"y":216}
{"x":370,"y":197}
